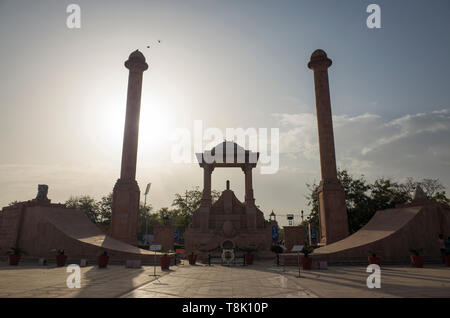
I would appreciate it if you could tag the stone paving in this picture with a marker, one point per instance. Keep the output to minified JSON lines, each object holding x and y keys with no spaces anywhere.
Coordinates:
{"x":202,"y":281}
{"x":262,"y":280}
{"x":267,"y":280}
{"x":29,"y":281}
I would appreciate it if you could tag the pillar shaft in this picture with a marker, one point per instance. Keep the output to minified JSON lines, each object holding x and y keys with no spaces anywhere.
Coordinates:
{"x":325,"y":125}
{"x":131,"y":131}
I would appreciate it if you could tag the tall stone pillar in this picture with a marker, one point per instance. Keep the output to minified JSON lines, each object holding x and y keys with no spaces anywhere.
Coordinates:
{"x":126,"y":193}
{"x":332,"y":208}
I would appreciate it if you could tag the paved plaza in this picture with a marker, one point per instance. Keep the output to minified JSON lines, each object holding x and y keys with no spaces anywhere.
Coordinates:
{"x":32,"y":281}
{"x":262,"y":280}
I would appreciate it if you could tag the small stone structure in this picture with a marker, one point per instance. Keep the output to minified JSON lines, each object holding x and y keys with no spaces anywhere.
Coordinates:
{"x":165,"y":236}
{"x":228,"y":223}
{"x":390,"y":234}
{"x":293,"y":235}
{"x":39,"y":226}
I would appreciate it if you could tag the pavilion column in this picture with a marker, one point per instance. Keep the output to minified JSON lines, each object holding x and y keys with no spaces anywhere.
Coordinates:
{"x":206,"y":197}
{"x":332,"y":207}
{"x":249,"y":199}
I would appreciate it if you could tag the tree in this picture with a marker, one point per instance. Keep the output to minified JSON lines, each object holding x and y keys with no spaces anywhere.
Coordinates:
{"x":186,"y":205}
{"x":363,"y":199}
{"x":433,"y":188}
{"x":105,"y":209}
{"x":144,"y":219}
{"x":86,"y":204}
{"x":191,"y":200}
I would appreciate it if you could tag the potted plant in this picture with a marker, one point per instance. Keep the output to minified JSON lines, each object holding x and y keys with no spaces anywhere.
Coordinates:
{"x":249,"y":255}
{"x":103,"y":260}
{"x":374,"y":259}
{"x":447,"y":258}
{"x":306,"y":260}
{"x":15,"y":253}
{"x":416,"y":258}
{"x":165,"y":261}
{"x":61,"y":258}
{"x":192,"y":258}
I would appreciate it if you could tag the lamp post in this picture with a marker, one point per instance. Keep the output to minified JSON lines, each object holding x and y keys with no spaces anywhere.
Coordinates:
{"x":290,"y":218}
{"x":147,"y":189}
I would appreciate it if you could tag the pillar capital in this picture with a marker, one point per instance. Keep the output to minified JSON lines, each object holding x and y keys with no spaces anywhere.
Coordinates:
{"x":319,"y":61}
{"x":136,"y":62}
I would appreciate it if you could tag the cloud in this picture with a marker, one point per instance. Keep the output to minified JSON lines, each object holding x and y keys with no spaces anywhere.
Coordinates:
{"x":416,"y":145}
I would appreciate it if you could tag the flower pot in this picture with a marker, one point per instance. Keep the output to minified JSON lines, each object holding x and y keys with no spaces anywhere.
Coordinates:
{"x":375,"y":260}
{"x":306,"y":262}
{"x":14,"y":259}
{"x":192,"y":259}
{"x":417,"y":261}
{"x":249,"y":259}
{"x":102,"y":261}
{"x":61,"y":260}
{"x":165,"y":262}
{"x":447,"y":260}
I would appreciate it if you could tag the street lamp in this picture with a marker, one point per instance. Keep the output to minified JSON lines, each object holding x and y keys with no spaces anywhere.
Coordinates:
{"x":272,"y":216}
{"x":290,"y":218}
{"x":147,"y":189}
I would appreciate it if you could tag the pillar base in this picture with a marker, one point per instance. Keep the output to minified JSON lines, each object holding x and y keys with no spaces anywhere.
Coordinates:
{"x":125,"y":211}
{"x":332,"y":211}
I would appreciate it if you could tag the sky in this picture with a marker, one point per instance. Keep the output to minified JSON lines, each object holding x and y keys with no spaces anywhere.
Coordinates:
{"x":230,"y":64}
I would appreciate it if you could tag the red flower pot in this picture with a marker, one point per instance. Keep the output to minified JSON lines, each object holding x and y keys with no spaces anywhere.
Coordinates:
{"x":14,"y":259}
{"x":165,"y":262}
{"x":306,"y":262}
{"x":249,"y":259}
{"x":417,"y":261}
{"x":375,"y":260}
{"x":192,"y":259}
{"x":447,"y":260}
{"x":102,"y":261}
{"x":61,"y":260}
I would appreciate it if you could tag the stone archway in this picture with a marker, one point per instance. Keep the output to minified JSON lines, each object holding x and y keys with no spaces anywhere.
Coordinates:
{"x":228,"y":155}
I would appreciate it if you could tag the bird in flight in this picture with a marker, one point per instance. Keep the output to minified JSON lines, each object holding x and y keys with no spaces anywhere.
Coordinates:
{"x":159,"y":42}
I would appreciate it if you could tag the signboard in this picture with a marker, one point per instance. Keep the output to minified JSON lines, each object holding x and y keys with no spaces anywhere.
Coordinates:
{"x":313,"y":236}
{"x":297,"y":248}
{"x":274,"y":233}
{"x":177,"y":233}
{"x":179,"y":251}
{"x":155,"y":248}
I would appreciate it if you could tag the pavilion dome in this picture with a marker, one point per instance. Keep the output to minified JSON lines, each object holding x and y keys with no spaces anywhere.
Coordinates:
{"x":227,"y":145}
